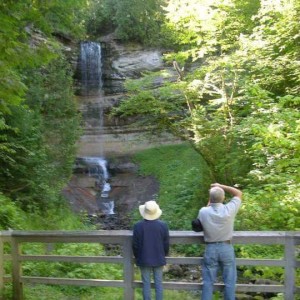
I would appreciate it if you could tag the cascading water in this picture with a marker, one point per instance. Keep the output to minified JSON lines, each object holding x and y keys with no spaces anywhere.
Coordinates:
{"x":97,"y":168}
{"x":91,"y":68}
{"x":91,"y":84}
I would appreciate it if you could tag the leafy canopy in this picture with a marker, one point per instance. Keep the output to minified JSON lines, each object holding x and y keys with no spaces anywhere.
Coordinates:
{"x":237,"y":101}
{"x":38,"y":116}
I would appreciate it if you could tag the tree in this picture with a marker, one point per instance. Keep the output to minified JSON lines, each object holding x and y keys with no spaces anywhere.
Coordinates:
{"x":31,"y":152}
{"x":130,"y":20}
{"x":238,"y":100}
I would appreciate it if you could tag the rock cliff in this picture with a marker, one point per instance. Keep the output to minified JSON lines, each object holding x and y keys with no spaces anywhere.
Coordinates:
{"x":114,"y":139}
{"x":110,"y":136}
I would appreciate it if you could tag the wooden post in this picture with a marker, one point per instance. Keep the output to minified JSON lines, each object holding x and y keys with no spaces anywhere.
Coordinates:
{"x":16,"y":271}
{"x":128,"y":269}
{"x":1,"y":267}
{"x":289,"y":272}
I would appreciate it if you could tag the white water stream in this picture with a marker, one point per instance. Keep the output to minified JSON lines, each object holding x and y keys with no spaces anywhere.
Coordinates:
{"x":91,"y":84}
{"x":97,"y":167}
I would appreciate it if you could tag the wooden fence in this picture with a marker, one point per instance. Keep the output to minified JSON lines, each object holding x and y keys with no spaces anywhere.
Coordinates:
{"x":289,"y":262}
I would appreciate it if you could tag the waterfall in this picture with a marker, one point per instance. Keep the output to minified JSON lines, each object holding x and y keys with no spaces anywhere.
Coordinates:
{"x":91,"y":68}
{"x":97,"y":168}
{"x":91,"y":84}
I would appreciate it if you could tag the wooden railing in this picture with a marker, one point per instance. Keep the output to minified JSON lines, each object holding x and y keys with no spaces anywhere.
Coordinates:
{"x":289,"y":262}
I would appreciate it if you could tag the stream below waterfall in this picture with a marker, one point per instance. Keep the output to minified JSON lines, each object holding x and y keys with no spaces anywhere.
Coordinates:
{"x":108,"y":196}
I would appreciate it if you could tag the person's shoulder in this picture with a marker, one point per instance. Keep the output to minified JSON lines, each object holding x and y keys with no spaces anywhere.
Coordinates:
{"x":204,"y":208}
{"x":137,"y":224}
{"x":163,"y":223}
{"x":236,"y":199}
{"x":160,"y":221}
{"x":234,"y":202}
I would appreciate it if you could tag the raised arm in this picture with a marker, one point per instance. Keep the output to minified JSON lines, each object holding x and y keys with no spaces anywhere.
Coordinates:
{"x":229,"y":189}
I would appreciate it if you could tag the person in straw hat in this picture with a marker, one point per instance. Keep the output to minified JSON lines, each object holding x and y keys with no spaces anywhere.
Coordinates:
{"x":150,"y":248}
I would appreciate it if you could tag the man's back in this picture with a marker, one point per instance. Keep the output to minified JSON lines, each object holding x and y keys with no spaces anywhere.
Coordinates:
{"x":218,"y":220}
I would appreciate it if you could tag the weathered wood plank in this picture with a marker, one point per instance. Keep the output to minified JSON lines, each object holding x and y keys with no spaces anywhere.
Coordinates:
{"x":289,"y":272}
{"x":218,"y":287}
{"x":260,"y":262}
{"x":123,"y":237}
{"x":71,"y":281}
{"x":82,"y":259}
{"x":98,"y":237}
{"x":117,"y":236}
{"x":16,"y":272}
{"x":184,"y":260}
{"x":239,"y":261}
{"x":7,"y":257}
{"x":1,"y":268}
{"x":128,"y":269}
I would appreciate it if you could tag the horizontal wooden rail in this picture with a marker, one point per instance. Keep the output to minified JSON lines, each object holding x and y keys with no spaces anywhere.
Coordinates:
{"x":289,"y":262}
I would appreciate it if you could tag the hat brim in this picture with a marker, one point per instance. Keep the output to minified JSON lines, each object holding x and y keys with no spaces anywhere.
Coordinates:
{"x":148,"y":216}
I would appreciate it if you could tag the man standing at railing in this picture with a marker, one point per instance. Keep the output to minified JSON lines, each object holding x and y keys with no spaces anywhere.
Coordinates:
{"x":150,"y":248}
{"x":217,"y":220}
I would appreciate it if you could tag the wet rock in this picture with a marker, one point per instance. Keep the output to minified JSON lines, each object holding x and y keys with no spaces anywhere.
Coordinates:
{"x":126,"y":167}
{"x":176,"y":271}
{"x":193,"y":274}
{"x":243,"y":297}
{"x":128,"y":191}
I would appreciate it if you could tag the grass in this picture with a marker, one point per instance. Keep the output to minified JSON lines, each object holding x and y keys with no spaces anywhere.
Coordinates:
{"x":184,"y":181}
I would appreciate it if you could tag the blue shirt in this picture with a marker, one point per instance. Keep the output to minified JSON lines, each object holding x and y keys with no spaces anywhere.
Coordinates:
{"x":150,"y":243}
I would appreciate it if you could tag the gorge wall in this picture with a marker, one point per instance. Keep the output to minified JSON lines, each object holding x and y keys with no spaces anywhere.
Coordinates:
{"x":111,"y":136}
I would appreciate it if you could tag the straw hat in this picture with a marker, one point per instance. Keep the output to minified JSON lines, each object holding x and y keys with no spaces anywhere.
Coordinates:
{"x":150,"y":210}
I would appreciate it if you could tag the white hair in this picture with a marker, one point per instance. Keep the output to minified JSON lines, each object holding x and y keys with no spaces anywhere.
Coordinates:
{"x":216,"y":195}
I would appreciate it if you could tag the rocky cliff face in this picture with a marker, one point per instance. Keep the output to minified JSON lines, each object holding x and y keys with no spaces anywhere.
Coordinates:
{"x":113,"y":138}
{"x":108,"y":136}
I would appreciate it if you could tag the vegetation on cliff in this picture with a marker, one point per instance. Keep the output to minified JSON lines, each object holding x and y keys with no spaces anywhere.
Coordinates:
{"x":236,"y":101}
{"x":39,"y":122}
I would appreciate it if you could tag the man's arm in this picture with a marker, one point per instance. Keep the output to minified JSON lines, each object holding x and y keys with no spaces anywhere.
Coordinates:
{"x":229,"y":189}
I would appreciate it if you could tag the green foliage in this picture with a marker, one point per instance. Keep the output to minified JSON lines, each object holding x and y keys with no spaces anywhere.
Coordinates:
{"x":273,"y":181}
{"x":52,"y":96}
{"x":184,"y":180}
{"x":130,"y":20}
{"x":71,"y":270}
{"x":58,"y":216}
{"x":205,"y":27}
{"x":237,"y":102}
{"x":24,"y":27}
{"x":64,"y":17}
{"x":261,"y":252}
{"x":42,"y":138}
{"x":31,"y":140}
{"x":26,"y":152}
{"x":11,"y":217}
